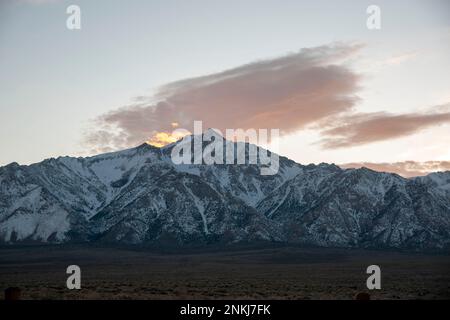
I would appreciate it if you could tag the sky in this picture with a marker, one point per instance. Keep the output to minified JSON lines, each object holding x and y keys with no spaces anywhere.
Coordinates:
{"x":338,"y":92}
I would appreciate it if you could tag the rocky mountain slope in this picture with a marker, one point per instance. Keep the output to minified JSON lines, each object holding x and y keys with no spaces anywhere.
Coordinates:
{"x":140,"y":196}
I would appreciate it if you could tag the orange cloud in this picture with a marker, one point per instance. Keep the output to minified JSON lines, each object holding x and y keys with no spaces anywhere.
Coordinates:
{"x":406,"y":168}
{"x":161,"y":139}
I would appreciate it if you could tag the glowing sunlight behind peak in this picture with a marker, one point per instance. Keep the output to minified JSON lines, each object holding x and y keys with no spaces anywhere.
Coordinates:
{"x":160,"y":139}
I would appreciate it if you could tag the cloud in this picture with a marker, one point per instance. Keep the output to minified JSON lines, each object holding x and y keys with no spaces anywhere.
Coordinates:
{"x":406,"y":168}
{"x":363,"y":128}
{"x":288,"y":93}
{"x":161,"y":139}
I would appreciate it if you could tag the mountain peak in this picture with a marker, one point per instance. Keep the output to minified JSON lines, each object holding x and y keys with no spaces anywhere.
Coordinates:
{"x":146,"y":146}
{"x":139,"y":195}
{"x":212,"y":131}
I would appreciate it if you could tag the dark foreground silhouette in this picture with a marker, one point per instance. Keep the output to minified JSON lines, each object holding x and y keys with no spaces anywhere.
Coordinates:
{"x":245,"y":272}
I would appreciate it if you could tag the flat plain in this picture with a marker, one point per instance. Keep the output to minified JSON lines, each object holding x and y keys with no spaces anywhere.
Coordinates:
{"x":234,"y":272}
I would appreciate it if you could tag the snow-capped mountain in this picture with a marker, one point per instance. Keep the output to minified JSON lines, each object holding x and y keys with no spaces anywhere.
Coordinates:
{"x":140,"y":196}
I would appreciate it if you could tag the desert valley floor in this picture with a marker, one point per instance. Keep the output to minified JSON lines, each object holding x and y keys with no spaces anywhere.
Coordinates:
{"x":248,"y":272}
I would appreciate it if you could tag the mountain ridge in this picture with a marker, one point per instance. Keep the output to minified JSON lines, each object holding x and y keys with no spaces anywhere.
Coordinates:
{"x":138,"y":195}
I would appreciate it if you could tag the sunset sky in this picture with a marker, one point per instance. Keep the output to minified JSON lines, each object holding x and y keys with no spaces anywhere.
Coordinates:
{"x":339,"y":92}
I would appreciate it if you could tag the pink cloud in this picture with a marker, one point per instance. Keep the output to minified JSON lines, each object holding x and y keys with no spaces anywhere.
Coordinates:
{"x":288,"y":93}
{"x":363,"y":128}
{"x":406,"y":168}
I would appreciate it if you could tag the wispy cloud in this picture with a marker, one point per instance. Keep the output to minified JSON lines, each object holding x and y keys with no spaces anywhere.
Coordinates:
{"x":404,"y":168}
{"x":312,"y":88}
{"x":288,"y":93}
{"x":363,"y":128}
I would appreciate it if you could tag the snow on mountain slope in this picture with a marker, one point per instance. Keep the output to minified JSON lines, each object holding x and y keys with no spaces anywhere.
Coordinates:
{"x":437,"y":180}
{"x":359,"y":207}
{"x":139,"y":195}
